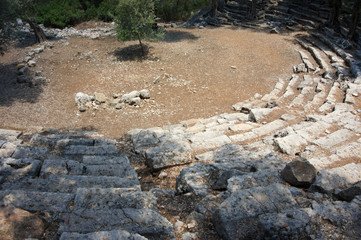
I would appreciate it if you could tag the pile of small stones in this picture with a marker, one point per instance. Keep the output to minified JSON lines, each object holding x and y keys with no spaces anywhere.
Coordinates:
{"x":25,"y":75}
{"x":134,"y":98}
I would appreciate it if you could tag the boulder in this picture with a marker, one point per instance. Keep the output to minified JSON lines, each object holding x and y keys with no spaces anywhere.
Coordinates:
{"x":350,"y":193}
{"x":168,"y":155}
{"x":238,"y":216}
{"x":194,"y":179}
{"x":299,"y":173}
{"x":19,"y":224}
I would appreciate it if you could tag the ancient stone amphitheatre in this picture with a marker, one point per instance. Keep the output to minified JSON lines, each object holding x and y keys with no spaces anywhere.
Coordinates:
{"x":204,"y":157}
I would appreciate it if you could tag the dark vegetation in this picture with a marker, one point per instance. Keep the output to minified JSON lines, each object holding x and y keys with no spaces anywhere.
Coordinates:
{"x":64,"y":13}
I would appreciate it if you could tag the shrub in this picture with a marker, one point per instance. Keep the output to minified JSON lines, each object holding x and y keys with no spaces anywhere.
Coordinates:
{"x":175,"y":10}
{"x":60,"y":13}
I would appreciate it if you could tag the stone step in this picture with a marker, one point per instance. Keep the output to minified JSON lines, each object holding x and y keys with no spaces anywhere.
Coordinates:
{"x":299,"y":135}
{"x":306,"y":61}
{"x":331,"y":55}
{"x":70,"y":184}
{"x":108,"y":235}
{"x":259,"y":132}
{"x":117,"y":170}
{"x":26,"y":151}
{"x":289,"y":91}
{"x":331,"y":180}
{"x":145,"y":222}
{"x":331,"y":98}
{"x":69,"y":167}
{"x":274,"y":94}
{"x":319,"y":98}
{"x":37,"y":201}
{"x":301,"y":99}
{"x":316,"y":54}
{"x":342,"y":153}
{"x":113,"y":198}
{"x":90,"y":150}
{"x":336,"y":138}
{"x":340,"y":52}
{"x":305,"y":14}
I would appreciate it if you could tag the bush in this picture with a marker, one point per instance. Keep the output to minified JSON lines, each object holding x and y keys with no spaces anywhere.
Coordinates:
{"x":175,"y":10}
{"x":60,"y":13}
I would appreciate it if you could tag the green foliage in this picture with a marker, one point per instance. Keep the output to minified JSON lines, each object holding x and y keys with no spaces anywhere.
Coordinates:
{"x":175,"y":10}
{"x":106,"y":10}
{"x":135,"y":19}
{"x":64,"y":13}
{"x":60,"y":13}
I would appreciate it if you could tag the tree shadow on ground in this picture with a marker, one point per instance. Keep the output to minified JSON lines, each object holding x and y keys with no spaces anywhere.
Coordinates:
{"x":177,"y":36}
{"x":132,"y":53}
{"x":12,"y":91}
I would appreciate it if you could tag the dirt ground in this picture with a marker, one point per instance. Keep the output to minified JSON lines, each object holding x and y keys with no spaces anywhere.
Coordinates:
{"x":192,"y":73}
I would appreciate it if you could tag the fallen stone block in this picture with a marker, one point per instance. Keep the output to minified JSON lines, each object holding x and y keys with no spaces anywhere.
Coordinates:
{"x":168,"y":155}
{"x":299,"y":173}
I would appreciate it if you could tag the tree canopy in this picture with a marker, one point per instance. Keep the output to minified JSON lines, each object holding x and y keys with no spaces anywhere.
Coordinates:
{"x":135,"y":19}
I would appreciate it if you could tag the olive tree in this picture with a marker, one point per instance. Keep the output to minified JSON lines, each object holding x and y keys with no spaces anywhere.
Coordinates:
{"x":135,"y":19}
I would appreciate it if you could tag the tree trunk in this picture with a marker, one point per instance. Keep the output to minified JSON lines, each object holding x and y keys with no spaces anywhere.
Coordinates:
{"x":355,"y":18}
{"x":252,"y":14}
{"x":141,"y":46}
{"x":39,"y":33}
{"x":333,"y":21}
{"x":214,"y":8}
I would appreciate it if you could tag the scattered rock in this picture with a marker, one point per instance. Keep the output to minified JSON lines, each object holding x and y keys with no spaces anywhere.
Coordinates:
{"x":300,"y":68}
{"x":99,"y":98}
{"x":38,"y":50}
{"x":31,"y":63}
{"x":81,"y":99}
{"x":134,"y":101}
{"x":275,"y":30}
{"x":299,"y":173}
{"x":271,"y":104}
{"x":22,"y":79}
{"x":144,"y":94}
{"x":38,"y":81}
{"x":127,"y":97}
{"x":23,"y":71}
{"x":257,"y":114}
